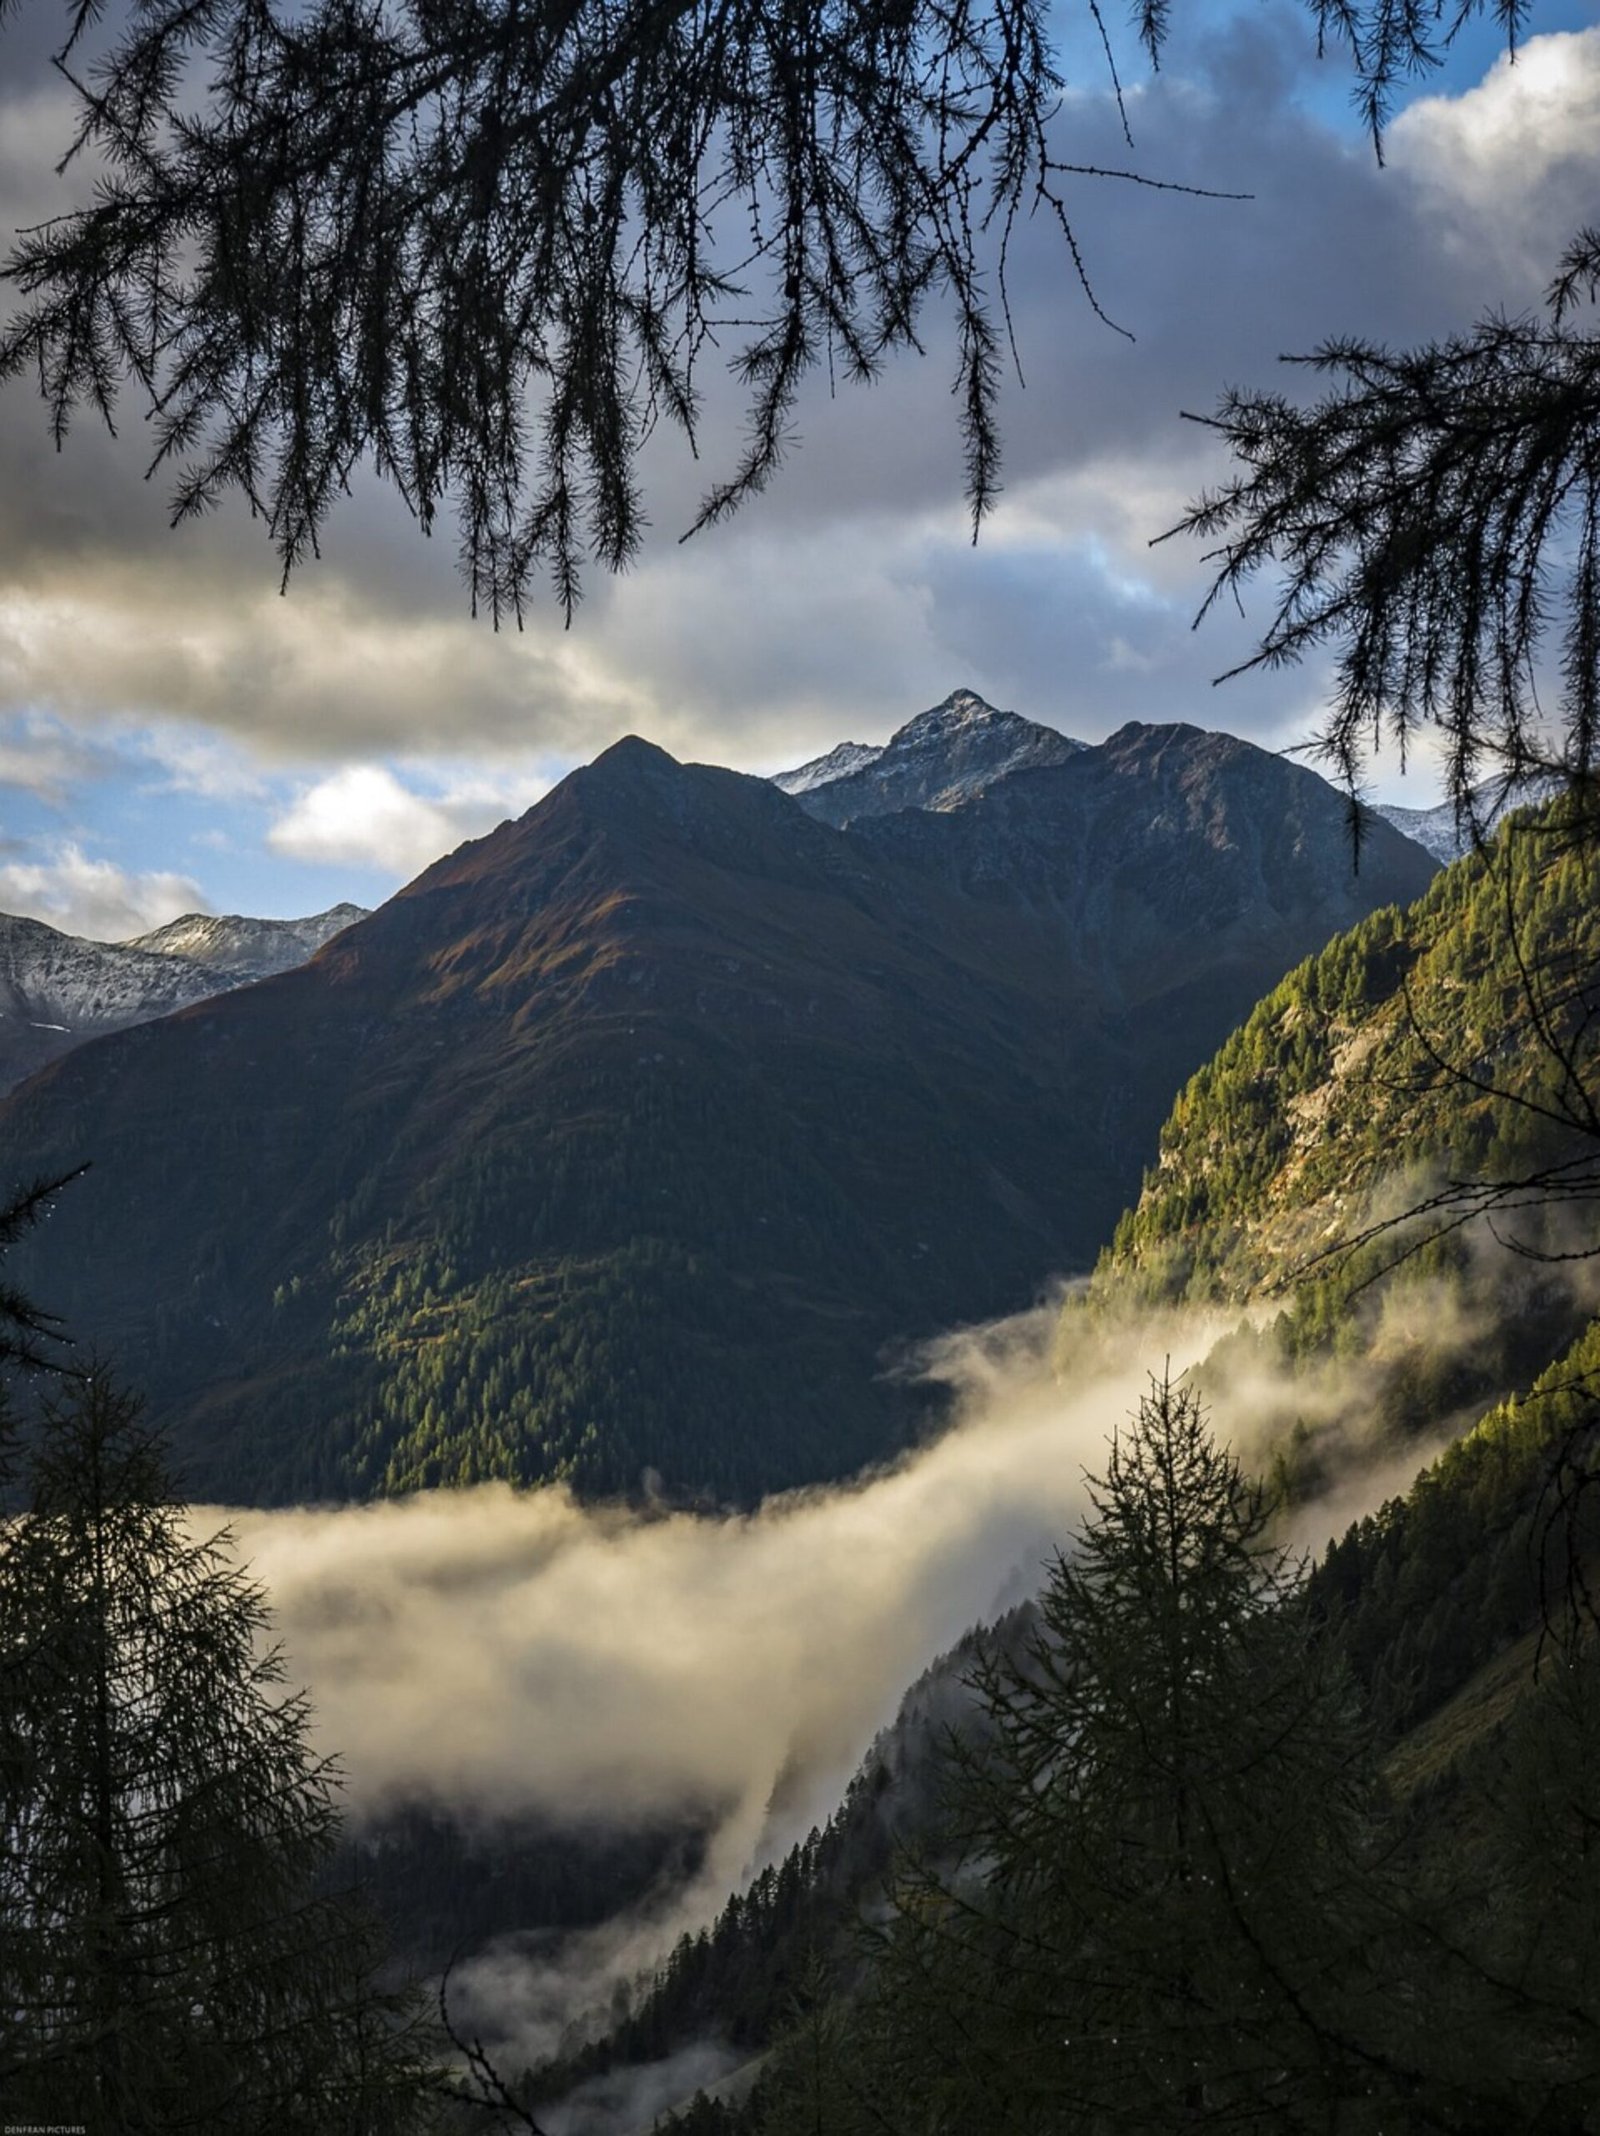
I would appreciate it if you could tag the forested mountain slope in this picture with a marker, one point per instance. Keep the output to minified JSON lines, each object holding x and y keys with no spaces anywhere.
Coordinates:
{"x":1381,"y":1070}
{"x":1396,"y":1158}
{"x":1440,"y":1638}
{"x":619,"y":1145}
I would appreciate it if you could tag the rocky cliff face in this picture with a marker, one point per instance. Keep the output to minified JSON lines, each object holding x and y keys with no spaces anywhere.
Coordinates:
{"x":56,"y":990}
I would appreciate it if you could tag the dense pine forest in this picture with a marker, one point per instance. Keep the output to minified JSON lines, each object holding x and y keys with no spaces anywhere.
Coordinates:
{"x":1248,"y":1894}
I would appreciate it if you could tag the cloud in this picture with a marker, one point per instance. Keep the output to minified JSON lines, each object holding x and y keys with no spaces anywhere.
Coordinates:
{"x":35,"y":123}
{"x":363,"y":816}
{"x":636,"y":2098}
{"x":498,"y":1652}
{"x":41,"y":757}
{"x":165,"y":635}
{"x":191,"y":761}
{"x":514,"y":1651}
{"x":95,"y":898}
{"x":1505,"y":172}
{"x":518,"y":1651}
{"x":848,"y":596}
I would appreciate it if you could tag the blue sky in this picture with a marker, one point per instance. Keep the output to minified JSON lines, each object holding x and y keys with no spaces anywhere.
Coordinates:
{"x":174,"y":734}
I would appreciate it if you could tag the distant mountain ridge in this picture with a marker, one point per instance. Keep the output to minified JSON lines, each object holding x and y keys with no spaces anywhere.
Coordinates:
{"x":254,"y":949}
{"x":942,"y":758}
{"x":1449,"y":833}
{"x":840,"y":761}
{"x":620,"y":1144}
{"x":57,"y":990}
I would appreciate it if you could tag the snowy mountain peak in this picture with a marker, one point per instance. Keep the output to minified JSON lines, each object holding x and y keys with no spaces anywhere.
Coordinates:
{"x":56,"y":990}
{"x":960,"y":712}
{"x":839,"y":763}
{"x":246,"y":948}
{"x":1446,"y":834}
{"x":942,"y":758}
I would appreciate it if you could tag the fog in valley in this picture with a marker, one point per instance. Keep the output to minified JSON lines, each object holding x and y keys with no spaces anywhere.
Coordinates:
{"x":501,"y":1652}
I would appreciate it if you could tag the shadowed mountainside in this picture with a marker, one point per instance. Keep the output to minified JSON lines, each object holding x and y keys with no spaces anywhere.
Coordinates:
{"x":620,"y":1144}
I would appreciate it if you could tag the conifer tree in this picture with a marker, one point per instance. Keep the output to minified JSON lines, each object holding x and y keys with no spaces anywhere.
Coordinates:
{"x":1535,"y":1794}
{"x":167,"y":1961}
{"x":1158,"y":1921}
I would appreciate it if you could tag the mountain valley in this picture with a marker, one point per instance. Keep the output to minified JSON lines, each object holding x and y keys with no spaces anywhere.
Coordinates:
{"x":636,"y":1147}
{"x":1345,"y":1162}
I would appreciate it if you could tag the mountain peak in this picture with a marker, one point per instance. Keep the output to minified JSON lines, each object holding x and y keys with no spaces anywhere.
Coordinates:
{"x":242,"y":947}
{"x":1448,"y":832}
{"x":962,"y":713}
{"x":633,"y":775}
{"x":57,"y":990}
{"x":840,"y":762}
{"x":962,"y":708}
{"x":666,"y":1106}
{"x":632,"y":755}
{"x":1136,"y":734}
{"x":941,"y":758}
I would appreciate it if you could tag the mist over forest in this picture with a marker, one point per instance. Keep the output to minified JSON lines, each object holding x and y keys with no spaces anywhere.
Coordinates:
{"x":495,"y":1653}
{"x":727,"y":1409}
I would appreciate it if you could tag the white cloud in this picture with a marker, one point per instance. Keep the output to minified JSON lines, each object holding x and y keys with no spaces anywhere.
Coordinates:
{"x":166,"y":639}
{"x":45,"y":759}
{"x":363,"y":816}
{"x":512,"y":1650}
{"x":499,"y":1651}
{"x":192,"y":761}
{"x":95,"y":898}
{"x":1506,"y":171}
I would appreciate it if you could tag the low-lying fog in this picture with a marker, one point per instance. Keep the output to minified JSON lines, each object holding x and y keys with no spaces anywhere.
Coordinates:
{"x":503,"y":1651}
{"x":511,"y":1650}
